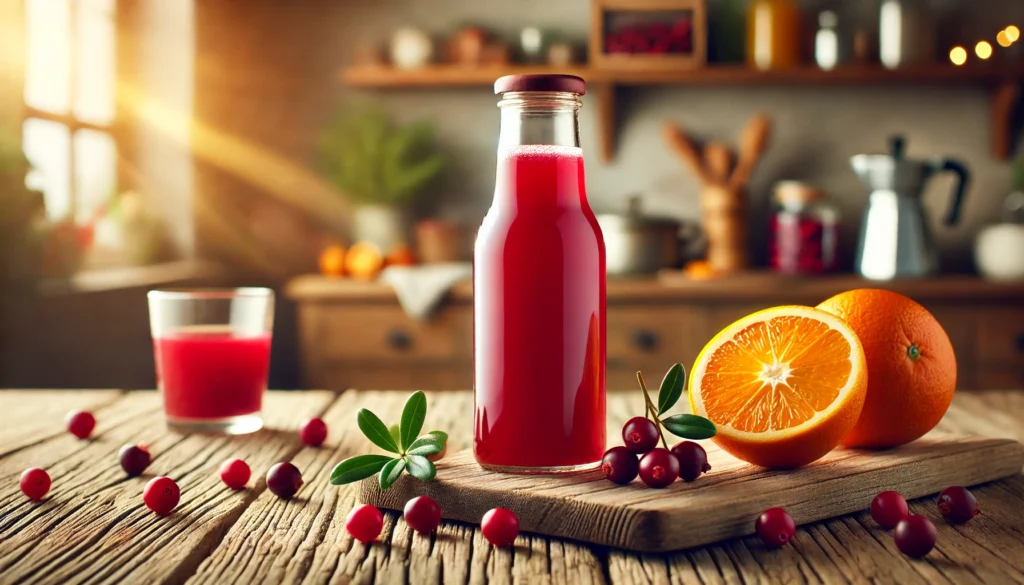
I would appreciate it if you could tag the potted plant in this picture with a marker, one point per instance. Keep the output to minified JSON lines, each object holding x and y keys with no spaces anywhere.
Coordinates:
{"x":381,"y":166}
{"x":22,"y":215}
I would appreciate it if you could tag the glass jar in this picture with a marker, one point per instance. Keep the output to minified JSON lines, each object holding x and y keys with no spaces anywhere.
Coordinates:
{"x":804,"y":231}
{"x":539,"y":291}
{"x":773,"y":34}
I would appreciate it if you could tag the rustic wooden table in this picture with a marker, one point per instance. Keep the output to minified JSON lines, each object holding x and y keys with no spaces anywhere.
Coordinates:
{"x":93,"y":526}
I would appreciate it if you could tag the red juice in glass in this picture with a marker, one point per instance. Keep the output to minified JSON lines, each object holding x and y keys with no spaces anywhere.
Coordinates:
{"x":539,"y":297}
{"x":212,"y":373}
{"x":212,"y":353}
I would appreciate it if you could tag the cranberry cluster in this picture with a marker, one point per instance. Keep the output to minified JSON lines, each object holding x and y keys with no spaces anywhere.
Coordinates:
{"x":657,"y":467}
{"x":652,"y":38}
{"x":499,"y":526}
{"x":915,"y":535}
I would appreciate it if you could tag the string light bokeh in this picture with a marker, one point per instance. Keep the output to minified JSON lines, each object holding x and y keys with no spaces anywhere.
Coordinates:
{"x":983,"y":49}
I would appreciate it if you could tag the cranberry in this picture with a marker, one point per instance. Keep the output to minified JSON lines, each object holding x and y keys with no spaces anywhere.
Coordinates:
{"x":640,"y":434}
{"x":364,"y":523}
{"x":422,"y":514}
{"x":161,"y":495}
{"x":500,"y":527}
{"x":888,"y":508}
{"x":35,"y":483}
{"x":693,"y":460}
{"x":134,"y":459}
{"x":775,"y":527}
{"x":284,"y":479}
{"x":235,"y":473}
{"x":81,"y":424}
{"x":659,"y":468}
{"x":915,"y":536}
{"x":313,"y":432}
{"x":620,"y":465}
{"x":957,"y":505}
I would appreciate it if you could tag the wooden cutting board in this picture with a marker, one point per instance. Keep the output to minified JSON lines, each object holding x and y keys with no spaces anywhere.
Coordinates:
{"x":722,"y":504}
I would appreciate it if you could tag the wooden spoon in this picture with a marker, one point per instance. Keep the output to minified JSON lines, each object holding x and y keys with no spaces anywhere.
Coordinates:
{"x":718,"y":162}
{"x":753,"y":143}
{"x":686,"y":149}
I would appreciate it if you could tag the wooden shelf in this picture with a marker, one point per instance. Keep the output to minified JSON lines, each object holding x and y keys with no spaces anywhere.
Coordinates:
{"x":1004,"y":79}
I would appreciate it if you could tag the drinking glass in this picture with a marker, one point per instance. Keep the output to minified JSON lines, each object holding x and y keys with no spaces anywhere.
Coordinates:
{"x":212,"y":353}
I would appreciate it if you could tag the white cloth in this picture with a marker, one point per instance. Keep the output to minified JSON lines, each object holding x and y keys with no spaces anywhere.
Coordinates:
{"x":421,"y":288}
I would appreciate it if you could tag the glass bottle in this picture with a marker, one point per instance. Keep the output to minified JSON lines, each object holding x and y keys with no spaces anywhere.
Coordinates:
{"x":804,"y":231}
{"x":773,"y":34}
{"x":539,"y":291}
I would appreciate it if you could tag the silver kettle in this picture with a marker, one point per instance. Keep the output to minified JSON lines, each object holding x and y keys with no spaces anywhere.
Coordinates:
{"x":895,"y":238}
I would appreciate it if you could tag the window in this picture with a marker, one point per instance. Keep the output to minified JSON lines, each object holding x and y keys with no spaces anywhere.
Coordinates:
{"x":70,"y":103}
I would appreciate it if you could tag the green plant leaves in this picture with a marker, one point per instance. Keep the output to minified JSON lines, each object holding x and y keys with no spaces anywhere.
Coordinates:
{"x":690,"y":426}
{"x":671,"y":388}
{"x":395,"y":434}
{"x":390,"y":473}
{"x":357,"y":468}
{"x":426,"y":445}
{"x":421,"y":468}
{"x":376,"y":431}
{"x":413,"y":414}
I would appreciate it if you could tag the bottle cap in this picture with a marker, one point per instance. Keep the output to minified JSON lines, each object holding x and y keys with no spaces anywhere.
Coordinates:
{"x":545,"y":82}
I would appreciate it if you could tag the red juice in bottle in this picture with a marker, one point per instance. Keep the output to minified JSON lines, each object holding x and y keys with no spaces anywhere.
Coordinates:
{"x":539,"y":292}
{"x":211,"y":373}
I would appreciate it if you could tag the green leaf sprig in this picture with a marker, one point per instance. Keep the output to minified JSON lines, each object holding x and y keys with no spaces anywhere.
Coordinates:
{"x":686,"y":426}
{"x":402,"y":439}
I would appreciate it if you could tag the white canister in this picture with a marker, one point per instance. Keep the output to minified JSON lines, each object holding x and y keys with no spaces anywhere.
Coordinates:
{"x":999,"y":251}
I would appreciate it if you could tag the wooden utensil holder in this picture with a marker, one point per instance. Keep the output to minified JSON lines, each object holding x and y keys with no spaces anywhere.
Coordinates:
{"x":725,"y":223}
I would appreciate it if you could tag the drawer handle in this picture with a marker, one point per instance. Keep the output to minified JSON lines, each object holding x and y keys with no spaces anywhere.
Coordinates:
{"x":1020,"y":341}
{"x":399,"y":339}
{"x":645,"y":340}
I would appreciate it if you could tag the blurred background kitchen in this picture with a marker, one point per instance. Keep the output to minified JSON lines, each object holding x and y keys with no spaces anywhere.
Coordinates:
{"x":740,"y":154}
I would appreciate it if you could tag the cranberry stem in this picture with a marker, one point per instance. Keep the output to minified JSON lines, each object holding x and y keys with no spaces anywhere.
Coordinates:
{"x":652,"y":411}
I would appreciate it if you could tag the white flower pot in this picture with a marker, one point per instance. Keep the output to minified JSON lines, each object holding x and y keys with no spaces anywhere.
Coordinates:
{"x":383,"y":225}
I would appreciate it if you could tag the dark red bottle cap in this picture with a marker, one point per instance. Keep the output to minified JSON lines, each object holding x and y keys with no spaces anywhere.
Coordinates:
{"x":544,"y":82}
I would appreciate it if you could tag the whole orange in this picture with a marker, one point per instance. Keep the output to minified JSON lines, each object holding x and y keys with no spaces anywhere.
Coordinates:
{"x":332,"y":260}
{"x":911,"y":366}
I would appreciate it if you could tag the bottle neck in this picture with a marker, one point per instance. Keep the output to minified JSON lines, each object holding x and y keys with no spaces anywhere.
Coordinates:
{"x":545,"y":118}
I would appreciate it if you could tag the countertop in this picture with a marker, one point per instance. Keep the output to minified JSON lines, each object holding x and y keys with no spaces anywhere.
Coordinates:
{"x":93,"y":527}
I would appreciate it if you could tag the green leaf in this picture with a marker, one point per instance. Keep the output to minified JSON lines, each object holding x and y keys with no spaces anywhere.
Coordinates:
{"x":393,"y":430}
{"x":412,"y":418}
{"x":441,"y":436}
{"x":671,"y":388}
{"x":421,"y":468}
{"x":357,"y":468}
{"x":690,"y":426}
{"x":391,"y":472}
{"x":426,"y":445}
{"x":376,"y":431}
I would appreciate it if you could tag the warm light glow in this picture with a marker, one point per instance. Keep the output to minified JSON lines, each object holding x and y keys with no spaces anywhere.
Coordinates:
{"x":983,"y":50}
{"x":1012,"y":33}
{"x":1003,"y":39}
{"x":958,"y":55}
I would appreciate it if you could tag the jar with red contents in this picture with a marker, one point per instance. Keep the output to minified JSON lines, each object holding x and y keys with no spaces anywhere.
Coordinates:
{"x":804,"y":231}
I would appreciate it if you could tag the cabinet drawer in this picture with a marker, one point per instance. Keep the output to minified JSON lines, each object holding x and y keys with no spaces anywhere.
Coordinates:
{"x":385,"y":332}
{"x":1000,"y":335}
{"x":653,"y":337}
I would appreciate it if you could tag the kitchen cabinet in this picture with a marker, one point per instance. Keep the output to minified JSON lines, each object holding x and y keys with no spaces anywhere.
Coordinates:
{"x":355,"y":334}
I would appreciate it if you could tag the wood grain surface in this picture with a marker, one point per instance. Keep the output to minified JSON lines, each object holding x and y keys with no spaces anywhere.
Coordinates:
{"x":93,"y":527}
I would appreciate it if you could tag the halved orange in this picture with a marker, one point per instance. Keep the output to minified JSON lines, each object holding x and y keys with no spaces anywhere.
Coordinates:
{"x":783,"y":385}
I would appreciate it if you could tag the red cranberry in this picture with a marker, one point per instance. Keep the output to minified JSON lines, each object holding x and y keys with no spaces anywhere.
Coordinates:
{"x":775,"y":527}
{"x":659,"y":468}
{"x":35,"y":483}
{"x":364,"y":523}
{"x":888,"y":508}
{"x":313,"y":432}
{"x":693,"y":460}
{"x":500,"y":527}
{"x":422,"y":514}
{"x":134,"y":459}
{"x":957,"y":505}
{"x":284,"y":479}
{"x":640,"y":434}
{"x":620,"y":465}
{"x":915,"y":536}
{"x":81,"y":424}
{"x":161,"y":495}
{"x":235,"y":473}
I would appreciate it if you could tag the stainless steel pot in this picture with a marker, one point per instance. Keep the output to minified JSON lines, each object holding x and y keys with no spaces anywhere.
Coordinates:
{"x":635,"y":244}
